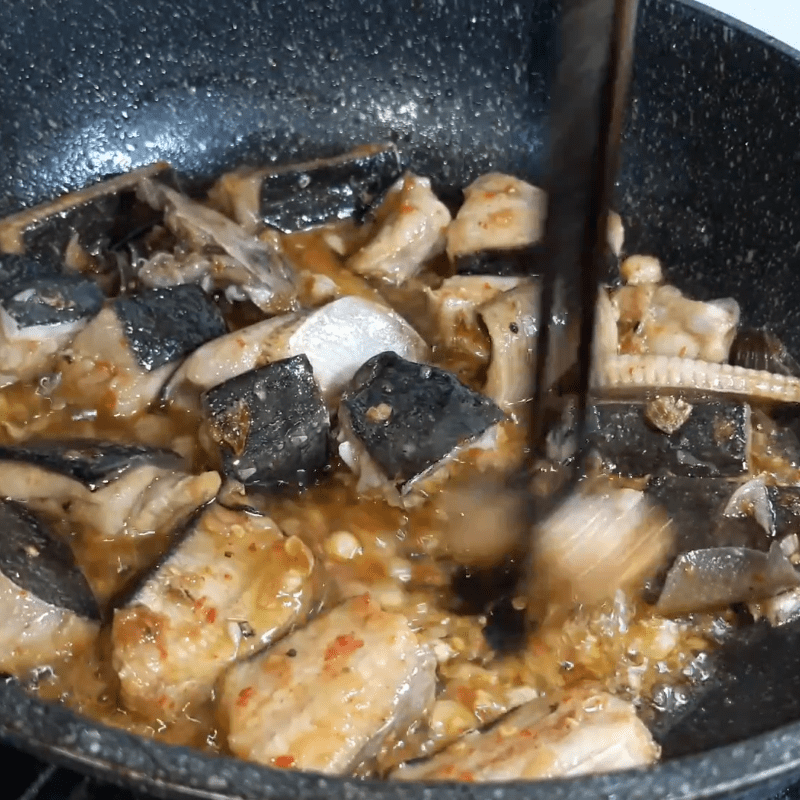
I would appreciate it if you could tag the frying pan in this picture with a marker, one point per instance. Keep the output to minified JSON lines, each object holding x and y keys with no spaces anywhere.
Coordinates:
{"x":710,"y":182}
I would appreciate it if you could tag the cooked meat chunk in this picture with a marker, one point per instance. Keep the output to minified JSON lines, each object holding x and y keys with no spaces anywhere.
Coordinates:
{"x":46,"y":605}
{"x":42,"y":308}
{"x":233,"y":584}
{"x":124,"y":357}
{"x":412,"y":233}
{"x":332,"y":694}
{"x":587,"y":731}
{"x":502,"y":217}
{"x":218,"y":255}
{"x":103,"y":494}
{"x":713,"y":442}
{"x":91,"y":217}
{"x":408,"y":416}
{"x":270,"y":425}
{"x":336,"y":339}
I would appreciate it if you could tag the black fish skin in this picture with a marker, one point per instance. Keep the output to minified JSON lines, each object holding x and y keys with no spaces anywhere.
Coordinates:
{"x":100,"y":215}
{"x":296,"y":197}
{"x":41,"y":563}
{"x":270,"y":424}
{"x":713,"y":442}
{"x":37,"y":292}
{"x":695,"y":506}
{"x":93,"y":463}
{"x":409,"y":415}
{"x":163,"y":325}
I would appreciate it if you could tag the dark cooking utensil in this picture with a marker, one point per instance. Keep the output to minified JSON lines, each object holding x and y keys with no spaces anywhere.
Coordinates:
{"x":709,"y":182}
{"x":585,"y":122}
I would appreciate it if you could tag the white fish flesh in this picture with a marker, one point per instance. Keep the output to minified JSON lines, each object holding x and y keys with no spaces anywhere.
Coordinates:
{"x":412,"y":233}
{"x":332,"y":694}
{"x":47,"y":610}
{"x":709,"y":579}
{"x":122,"y":359}
{"x":512,"y":320}
{"x":499,"y":212}
{"x":586,"y":732}
{"x":455,"y":304}
{"x":232,"y":586}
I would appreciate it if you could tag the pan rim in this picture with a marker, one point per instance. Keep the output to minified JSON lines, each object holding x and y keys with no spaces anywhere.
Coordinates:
{"x":78,"y":742}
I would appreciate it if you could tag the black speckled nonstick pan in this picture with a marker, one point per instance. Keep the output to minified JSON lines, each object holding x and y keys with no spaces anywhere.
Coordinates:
{"x":710,"y":182}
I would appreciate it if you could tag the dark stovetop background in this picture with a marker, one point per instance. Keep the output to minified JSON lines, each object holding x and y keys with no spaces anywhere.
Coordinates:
{"x":27,"y":778}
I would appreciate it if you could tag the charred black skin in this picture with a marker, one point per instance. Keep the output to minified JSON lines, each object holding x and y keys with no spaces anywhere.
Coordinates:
{"x":292,"y":199}
{"x":101,"y":223}
{"x":430,"y":413}
{"x":164,"y":325}
{"x":52,"y":296}
{"x":39,"y":562}
{"x":270,"y":424}
{"x":90,"y":462}
{"x":713,"y":442}
{"x":695,"y":506}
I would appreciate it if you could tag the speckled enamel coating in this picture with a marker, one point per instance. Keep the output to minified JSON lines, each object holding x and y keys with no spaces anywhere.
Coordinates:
{"x":709,"y":182}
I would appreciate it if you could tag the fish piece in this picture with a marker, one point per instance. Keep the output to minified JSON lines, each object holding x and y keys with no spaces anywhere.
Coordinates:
{"x":412,"y":233}
{"x":46,"y":604}
{"x":102,"y":493}
{"x":702,"y":580}
{"x":648,"y":373}
{"x":332,"y":694}
{"x":229,"y":356}
{"x":270,"y":425}
{"x":42,"y":308}
{"x":337,"y":339}
{"x":600,"y":539}
{"x":95,"y":215}
{"x":758,"y":349}
{"x":671,"y":324}
{"x":713,"y":442}
{"x":775,"y":508}
{"x":583,"y":731}
{"x":231,"y":585}
{"x":222,"y":256}
{"x":299,"y":196}
{"x":494,"y":229}
{"x":695,"y":508}
{"x":455,"y":305}
{"x":512,"y":320}
{"x":641,"y":270}
{"x":295,"y":197}
{"x":123,"y":358}
{"x":341,"y":336}
{"x":408,"y":417}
